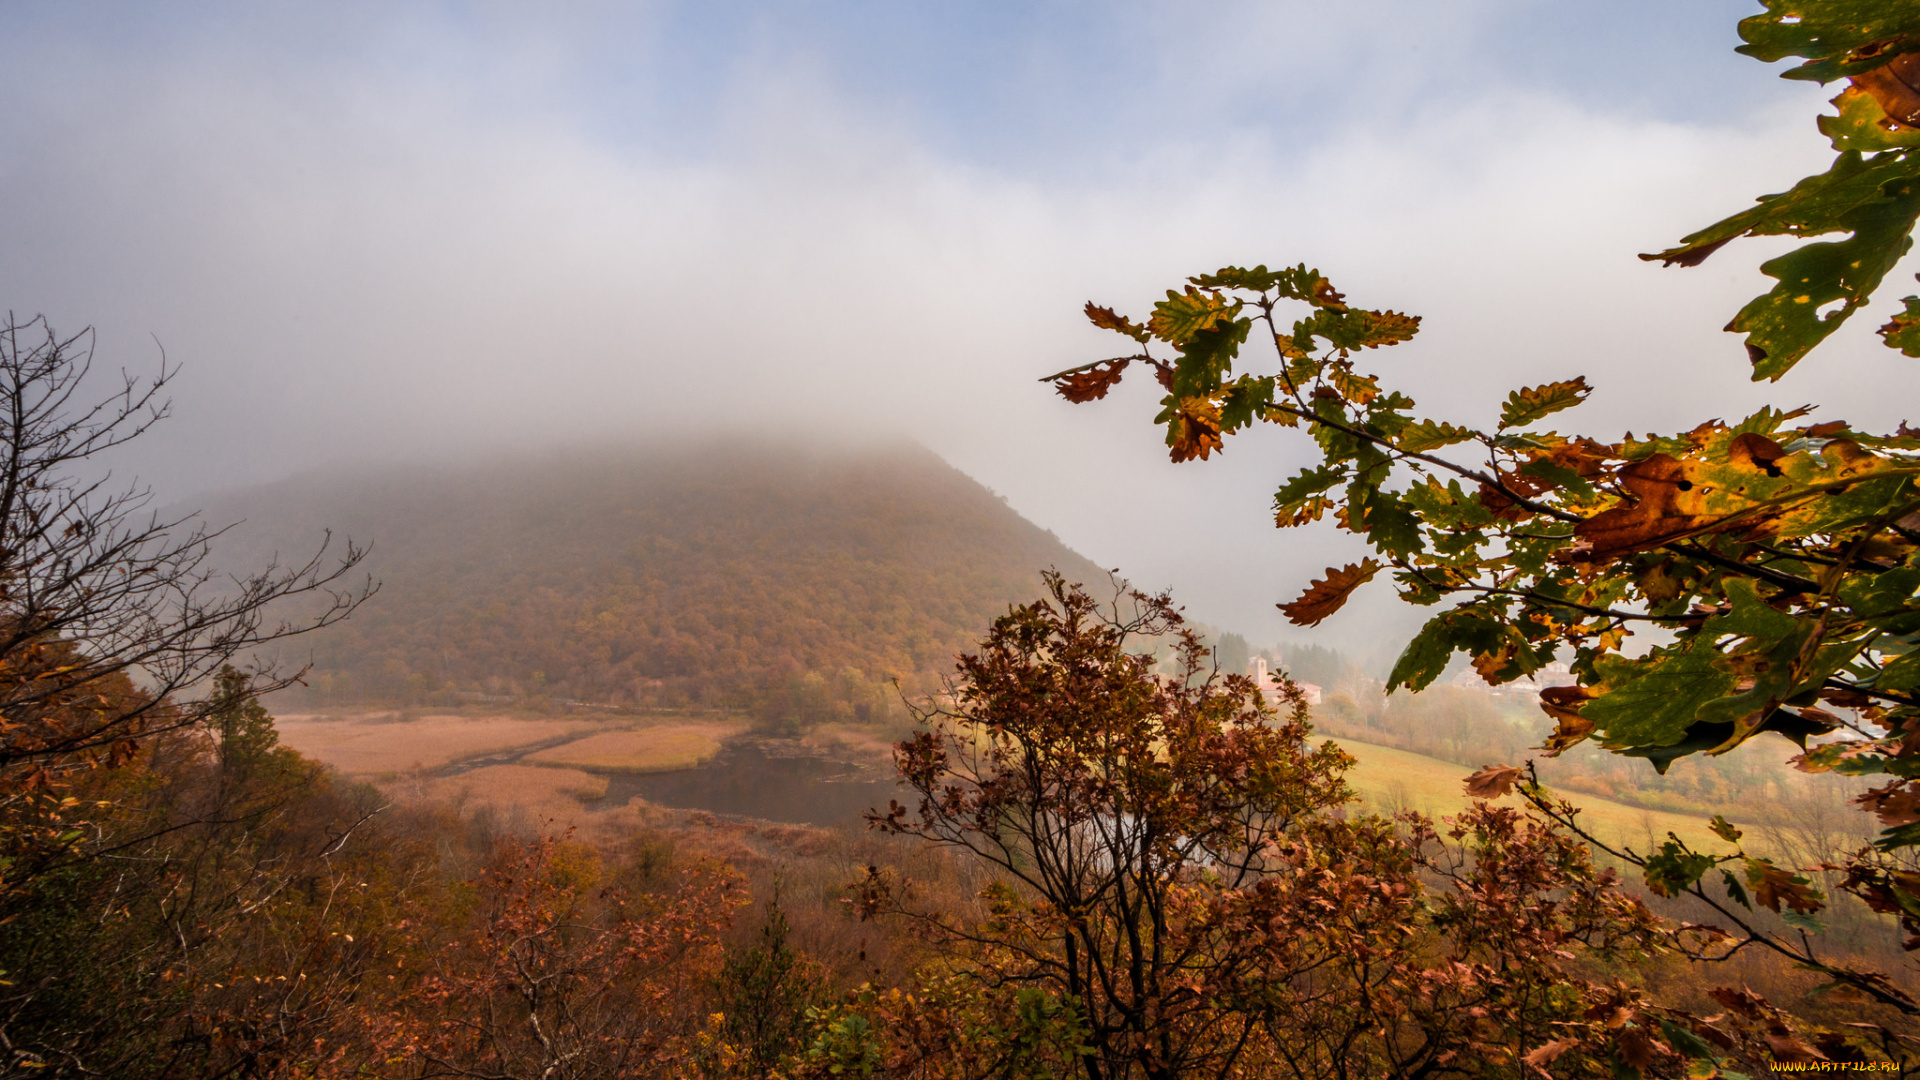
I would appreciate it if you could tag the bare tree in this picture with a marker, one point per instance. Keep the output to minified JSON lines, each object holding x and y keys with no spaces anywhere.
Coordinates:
{"x":111,"y":615}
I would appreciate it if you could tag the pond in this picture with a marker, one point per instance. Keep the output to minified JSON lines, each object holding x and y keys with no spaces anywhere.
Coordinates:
{"x":747,"y":780}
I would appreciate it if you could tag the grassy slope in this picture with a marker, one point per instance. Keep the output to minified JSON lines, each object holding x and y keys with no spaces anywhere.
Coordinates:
{"x":1397,"y":779}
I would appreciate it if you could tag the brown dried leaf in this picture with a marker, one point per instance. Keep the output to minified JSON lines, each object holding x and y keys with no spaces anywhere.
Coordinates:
{"x":1092,"y":383}
{"x":1755,"y":452}
{"x":1663,"y":503}
{"x":1897,"y":803}
{"x":1743,"y":1002}
{"x":1563,"y":704}
{"x":1639,"y":1048}
{"x":1311,"y":509}
{"x":1492,"y":782}
{"x":1329,"y":594}
{"x":1107,"y":319}
{"x":1503,"y":505}
{"x":1194,"y":431}
{"x":1776,"y":886}
{"x":1546,"y":1055}
{"x":1787,"y":1047}
{"x":1582,"y":455}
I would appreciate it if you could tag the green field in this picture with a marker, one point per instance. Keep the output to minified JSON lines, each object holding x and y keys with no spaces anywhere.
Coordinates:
{"x":1392,"y":780}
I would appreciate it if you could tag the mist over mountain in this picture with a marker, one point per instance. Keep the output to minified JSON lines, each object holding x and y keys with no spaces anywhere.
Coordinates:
{"x":664,"y":573}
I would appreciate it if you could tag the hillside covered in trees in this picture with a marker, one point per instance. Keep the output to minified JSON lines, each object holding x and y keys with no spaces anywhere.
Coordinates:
{"x":656,"y":573}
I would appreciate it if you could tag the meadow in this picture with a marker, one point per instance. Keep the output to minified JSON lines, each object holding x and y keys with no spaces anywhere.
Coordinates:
{"x":370,"y":745}
{"x":1389,"y":781}
{"x":648,"y":749}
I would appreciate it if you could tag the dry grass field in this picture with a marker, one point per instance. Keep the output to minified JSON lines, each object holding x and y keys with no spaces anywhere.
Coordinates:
{"x":384,"y":744}
{"x":650,"y":749}
{"x":533,"y":787}
{"x":1392,"y":780}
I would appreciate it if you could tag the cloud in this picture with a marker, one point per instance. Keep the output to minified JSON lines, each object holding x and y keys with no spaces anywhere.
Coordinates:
{"x":372,"y":235}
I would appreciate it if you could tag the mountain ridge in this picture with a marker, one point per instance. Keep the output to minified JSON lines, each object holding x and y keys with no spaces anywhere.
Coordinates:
{"x":654,"y":573}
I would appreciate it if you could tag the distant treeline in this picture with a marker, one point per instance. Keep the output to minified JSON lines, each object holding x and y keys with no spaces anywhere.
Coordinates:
{"x":790,"y":580}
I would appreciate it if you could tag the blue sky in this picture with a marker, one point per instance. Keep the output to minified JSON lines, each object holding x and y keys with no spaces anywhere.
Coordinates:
{"x":380,"y":229}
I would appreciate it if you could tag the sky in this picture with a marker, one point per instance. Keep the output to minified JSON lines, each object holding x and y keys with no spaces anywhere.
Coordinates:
{"x":382,"y":231}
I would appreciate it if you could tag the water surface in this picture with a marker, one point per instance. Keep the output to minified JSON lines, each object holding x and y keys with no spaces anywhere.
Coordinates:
{"x":747,"y":780}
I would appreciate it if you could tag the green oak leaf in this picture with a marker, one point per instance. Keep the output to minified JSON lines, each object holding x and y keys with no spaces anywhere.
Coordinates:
{"x":1301,"y":499}
{"x":1425,"y":435}
{"x":1863,"y":125}
{"x":1872,"y":197}
{"x":1448,"y":506}
{"x":1425,"y":657}
{"x":1785,"y":324}
{"x":1245,"y":401}
{"x":1724,"y":829}
{"x":1748,"y":616}
{"x":1736,"y":891}
{"x":1258,"y":279}
{"x":1652,"y":701}
{"x":1675,"y":869}
{"x":1531,"y":403}
{"x":1900,"y":675}
{"x":1207,"y":355}
{"x":1903,"y":330}
{"x":1184,"y":314}
{"x":1390,"y":525}
{"x":1837,"y":38}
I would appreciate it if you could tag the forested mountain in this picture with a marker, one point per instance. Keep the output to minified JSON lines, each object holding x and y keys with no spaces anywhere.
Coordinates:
{"x":659,"y":573}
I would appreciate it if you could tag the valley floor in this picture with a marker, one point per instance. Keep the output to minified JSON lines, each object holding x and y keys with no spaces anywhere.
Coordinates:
{"x":562,"y":769}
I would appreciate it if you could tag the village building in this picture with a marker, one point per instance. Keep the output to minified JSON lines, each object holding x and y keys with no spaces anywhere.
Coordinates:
{"x":1270,"y":683}
{"x":1554,"y":674}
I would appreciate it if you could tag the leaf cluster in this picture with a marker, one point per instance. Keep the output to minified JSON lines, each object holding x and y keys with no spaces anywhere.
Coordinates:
{"x":1870,"y":194}
{"x":1780,"y":557}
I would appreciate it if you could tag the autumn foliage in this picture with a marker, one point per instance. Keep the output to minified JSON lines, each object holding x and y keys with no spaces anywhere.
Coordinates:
{"x":1183,"y":874}
{"x":558,"y":973}
{"x":1774,"y":560}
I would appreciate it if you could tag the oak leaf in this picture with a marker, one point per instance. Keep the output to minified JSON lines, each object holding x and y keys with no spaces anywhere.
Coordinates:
{"x":1639,"y":1048}
{"x":1786,"y":1047}
{"x":1743,"y":1002}
{"x":1657,"y":584}
{"x":1092,"y":383}
{"x":1193,"y":430}
{"x":1563,"y":704}
{"x":1329,"y":594}
{"x":1773,"y":887}
{"x":1258,"y":279}
{"x":1492,"y":782}
{"x":1309,"y":509}
{"x":1183,"y":314}
{"x":1528,"y":404}
{"x":1724,"y":829}
{"x":1547,"y":1053}
{"x":1903,"y":330}
{"x":1663,"y":503}
{"x":1897,"y":803}
{"x":1107,"y":319}
{"x":1425,"y":435}
{"x":1582,"y":456}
